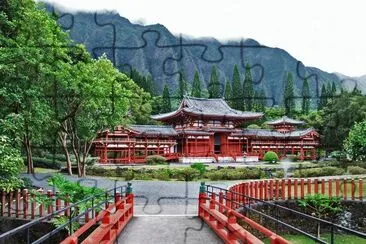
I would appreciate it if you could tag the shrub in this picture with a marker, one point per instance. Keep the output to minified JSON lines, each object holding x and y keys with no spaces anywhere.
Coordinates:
{"x":46,"y":163}
{"x":313,"y":172}
{"x":143,"y":176}
{"x":155,"y":159}
{"x":280,"y":173}
{"x":200,"y":167}
{"x":27,"y":183}
{"x":234,"y":174}
{"x":162,"y":174}
{"x":187,"y":174}
{"x":128,"y":175}
{"x":356,"y":170}
{"x":99,"y":171}
{"x":270,"y":156}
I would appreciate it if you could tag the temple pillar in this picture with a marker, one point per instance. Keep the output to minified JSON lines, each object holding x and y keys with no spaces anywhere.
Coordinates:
{"x":129,"y":152}
{"x":313,"y":154}
{"x":302,"y":153}
{"x":105,"y":155}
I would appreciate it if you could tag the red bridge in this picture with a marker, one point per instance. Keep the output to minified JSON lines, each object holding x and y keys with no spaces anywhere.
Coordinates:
{"x":231,"y":213}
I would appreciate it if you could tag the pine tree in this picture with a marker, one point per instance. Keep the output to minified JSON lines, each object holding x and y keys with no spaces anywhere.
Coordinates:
{"x":288,"y":95}
{"x":334,"y":89}
{"x":237,"y":90}
{"x":183,"y":87}
{"x":323,"y":98}
{"x":196,"y":85}
{"x":262,"y":100}
{"x":305,"y":97}
{"x":166,"y":106}
{"x":248,"y":90}
{"x":214,"y":86}
{"x":228,"y":92}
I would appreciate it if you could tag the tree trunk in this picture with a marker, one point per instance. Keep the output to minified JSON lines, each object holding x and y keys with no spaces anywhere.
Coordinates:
{"x":63,"y":139}
{"x":28,"y":150}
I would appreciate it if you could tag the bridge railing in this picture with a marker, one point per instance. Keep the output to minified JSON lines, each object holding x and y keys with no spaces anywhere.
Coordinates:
{"x":275,"y":216}
{"x":287,"y":189}
{"x":102,"y":206}
{"x":215,"y":208}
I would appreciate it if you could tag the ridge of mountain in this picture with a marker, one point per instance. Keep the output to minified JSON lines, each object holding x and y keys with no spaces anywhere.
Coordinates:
{"x":96,"y":32}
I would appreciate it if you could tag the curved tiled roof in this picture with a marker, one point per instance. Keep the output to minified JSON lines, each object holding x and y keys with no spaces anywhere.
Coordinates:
{"x":285,"y":120}
{"x":163,"y":130}
{"x":208,"y":107}
{"x":273,"y":133}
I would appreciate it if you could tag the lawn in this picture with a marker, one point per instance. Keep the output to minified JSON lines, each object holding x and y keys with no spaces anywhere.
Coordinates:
{"x":338,"y":238}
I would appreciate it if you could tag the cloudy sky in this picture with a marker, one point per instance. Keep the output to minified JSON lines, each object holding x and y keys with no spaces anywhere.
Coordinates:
{"x":328,"y":34}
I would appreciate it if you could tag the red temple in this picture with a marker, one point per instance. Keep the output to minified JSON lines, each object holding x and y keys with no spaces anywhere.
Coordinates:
{"x":205,"y":130}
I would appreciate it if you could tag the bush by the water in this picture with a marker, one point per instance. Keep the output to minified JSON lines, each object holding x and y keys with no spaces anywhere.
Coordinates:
{"x":234,"y":174}
{"x":356,"y":170}
{"x":270,"y":156}
{"x":155,"y":159}
{"x":324,"y":171}
{"x":187,"y":174}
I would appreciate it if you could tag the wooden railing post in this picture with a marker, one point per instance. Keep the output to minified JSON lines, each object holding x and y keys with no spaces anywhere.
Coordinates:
{"x":309,"y":186}
{"x":231,"y":221}
{"x":353,"y":189}
{"x":316,"y":186}
{"x":41,"y":204}
{"x":202,"y":198}
{"x":360,"y":189}
{"x":283,"y":189}
{"x":337,"y":187}
{"x":323,"y":186}
{"x":17,"y":203}
{"x":289,"y":194}
{"x":50,"y":206}
{"x":212,"y":206}
{"x":33,"y":206}
{"x":295,"y":189}
{"x":25,"y":203}
{"x":10,"y":202}
{"x":270,"y":191}
{"x":302,"y":189}
{"x":221,"y":201}
{"x":345,"y":189}
{"x":228,"y":200}
{"x":330,"y":187}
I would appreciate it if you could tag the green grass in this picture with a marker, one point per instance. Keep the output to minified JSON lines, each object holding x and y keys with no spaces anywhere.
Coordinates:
{"x":338,"y":238}
{"x":43,"y":170}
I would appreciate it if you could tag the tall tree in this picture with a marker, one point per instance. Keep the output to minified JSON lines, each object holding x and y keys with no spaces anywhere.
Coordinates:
{"x":183,"y":87}
{"x":288,"y":95}
{"x":166,"y":103}
{"x":28,"y":65}
{"x":334,"y":89}
{"x":323,"y":97}
{"x":196,"y":85}
{"x":305,"y":108}
{"x":248,"y":90}
{"x":228,"y":92}
{"x":214,"y":86}
{"x":355,"y":143}
{"x":237,"y":90}
{"x":259,"y":100}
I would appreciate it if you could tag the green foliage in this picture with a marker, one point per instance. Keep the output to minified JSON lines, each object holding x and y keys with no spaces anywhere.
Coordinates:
{"x":260,"y":100}
{"x":248,"y":90}
{"x":280,"y":174}
{"x":324,"y":171}
{"x":62,"y":220}
{"x":288,"y":95}
{"x":162,"y":174}
{"x":214,"y":86}
{"x":227,"y":94}
{"x":305,"y":106}
{"x":183,"y":86}
{"x":356,"y":170}
{"x":270,"y":156}
{"x":200,"y":167}
{"x":128,"y":175}
{"x":166,"y":103}
{"x":196,"y":85}
{"x":155,"y":159}
{"x":187,"y":174}
{"x":237,"y":90}
{"x":72,"y":191}
{"x":234,"y":174}
{"x":355,"y":143}
{"x":340,"y":116}
{"x":253,"y":126}
{"x":321,"y":206}
{"x":11,"y":164}
{"x":47,"y":163}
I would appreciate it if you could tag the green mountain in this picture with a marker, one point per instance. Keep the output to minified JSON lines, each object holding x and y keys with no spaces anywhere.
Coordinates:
{"x":154,"y":50}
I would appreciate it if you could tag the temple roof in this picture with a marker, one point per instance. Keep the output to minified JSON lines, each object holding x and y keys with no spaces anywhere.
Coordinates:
{"x":272,"y":133}
{"x":216,"y":107}
{"x":162,"y":130}
{"x":285,"y":120}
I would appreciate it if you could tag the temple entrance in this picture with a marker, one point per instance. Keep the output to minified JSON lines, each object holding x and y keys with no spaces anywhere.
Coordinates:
{"x":217,"y":143}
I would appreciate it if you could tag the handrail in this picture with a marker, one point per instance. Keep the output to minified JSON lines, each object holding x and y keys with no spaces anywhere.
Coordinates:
{"x":123,"y":189}
{"x":332,"y":225}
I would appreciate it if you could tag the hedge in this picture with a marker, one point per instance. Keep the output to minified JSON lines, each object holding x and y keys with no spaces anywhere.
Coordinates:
{"x":155,"y":159}
{"x":324,"y":171}
{"x":356,"y":170}
{"x":46,"y":163}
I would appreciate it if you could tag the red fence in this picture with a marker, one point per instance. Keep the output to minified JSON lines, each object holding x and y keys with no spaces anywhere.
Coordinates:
{"x":286,"y":189}
{"x":216,"y":209}
{"x":114,"y":218}
{"x":23,"y":204}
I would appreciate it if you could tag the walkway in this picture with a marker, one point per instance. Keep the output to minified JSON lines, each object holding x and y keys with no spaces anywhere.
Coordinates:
{"x":165,"y":212}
